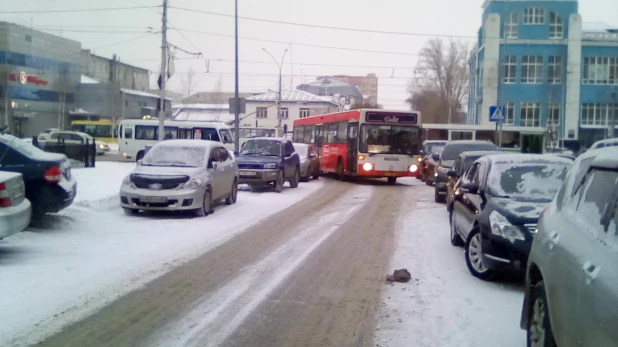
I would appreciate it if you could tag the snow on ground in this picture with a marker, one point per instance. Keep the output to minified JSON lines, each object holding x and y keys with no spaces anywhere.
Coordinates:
{"x":91,"y":253}
{"x":443,"y":304}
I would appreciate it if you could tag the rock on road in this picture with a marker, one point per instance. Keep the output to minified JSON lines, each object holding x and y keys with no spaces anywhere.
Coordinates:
{"x":311,"y":275}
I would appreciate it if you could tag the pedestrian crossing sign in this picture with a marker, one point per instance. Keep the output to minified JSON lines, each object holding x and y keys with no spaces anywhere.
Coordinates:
{"x":496,"y":114}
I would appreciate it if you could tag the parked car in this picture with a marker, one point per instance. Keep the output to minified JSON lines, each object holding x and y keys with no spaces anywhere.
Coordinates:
{"x":613,"y":142}
{"x":15,"y":209}
{"x":266,"y":160}
{"x":309,"y":162}
{"x":429,"y":147}
{"x":431,"y":165}
{"x":446,"y":160}
{"x":496,"y":214}
{"x":571,"y":291}
{"x":462,"y":164}
{"x":181,"y":175}
{"x":72,"y":138}
{"x":50,"y":186}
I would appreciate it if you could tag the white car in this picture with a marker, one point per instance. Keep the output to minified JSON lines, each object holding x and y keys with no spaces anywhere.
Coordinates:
{"x":15,"y":209}
{"x":72,"y":138}
{"x":181,"y":175}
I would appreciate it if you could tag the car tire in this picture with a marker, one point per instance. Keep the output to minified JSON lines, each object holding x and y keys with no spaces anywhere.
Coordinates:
{"x":278,"y":184}
{"x":474,"y":256}
{"x":538,"y":331}
{"x":295,"y":179}
{"x":231,"y":199}
{"x":206,"y":208}
{"x":130,"y":211}
{"x":316,"y":173}
{"x":392,"y":180}
{"x":455,"y":238}
{"x":436,"y":196}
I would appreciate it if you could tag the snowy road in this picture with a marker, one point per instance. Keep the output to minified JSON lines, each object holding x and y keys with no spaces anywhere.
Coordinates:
{"x":301,"y":268}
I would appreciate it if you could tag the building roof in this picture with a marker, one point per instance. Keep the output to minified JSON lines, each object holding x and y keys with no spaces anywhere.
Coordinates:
{"x":291,"y":96}
{"x":328,"y":83}
{"x":140,"y":93}
{"x":596,"y":27}
{"x":202,"y":106}
{"x":87,"y":80}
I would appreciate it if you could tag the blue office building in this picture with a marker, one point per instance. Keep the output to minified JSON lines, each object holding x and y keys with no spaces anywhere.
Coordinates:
{"x":555,"y":77}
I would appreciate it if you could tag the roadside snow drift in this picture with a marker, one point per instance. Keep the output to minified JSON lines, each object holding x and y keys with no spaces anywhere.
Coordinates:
{"x":91,"y":253}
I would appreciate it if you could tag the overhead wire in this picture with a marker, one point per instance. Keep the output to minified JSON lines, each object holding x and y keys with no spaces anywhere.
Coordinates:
{"x":80,"y":10}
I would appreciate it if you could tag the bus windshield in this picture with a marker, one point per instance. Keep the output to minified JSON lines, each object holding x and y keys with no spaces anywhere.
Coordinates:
{"x":389,"y":139}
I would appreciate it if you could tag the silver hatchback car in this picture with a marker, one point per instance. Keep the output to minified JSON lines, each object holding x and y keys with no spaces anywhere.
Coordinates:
{"x":181,"y":175}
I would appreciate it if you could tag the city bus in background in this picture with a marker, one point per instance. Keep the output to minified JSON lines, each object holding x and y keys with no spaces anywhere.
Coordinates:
{"x":249,"y":133}
{"x":372,"y":143}
{"x":135,"y":134}
{"x":104,"y":130}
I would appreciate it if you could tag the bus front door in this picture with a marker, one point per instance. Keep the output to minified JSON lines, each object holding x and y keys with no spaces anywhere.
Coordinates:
{"x":352,"y":147}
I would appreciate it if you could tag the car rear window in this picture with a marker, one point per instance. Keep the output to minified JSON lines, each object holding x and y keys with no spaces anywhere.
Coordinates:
{"x":452,"y":151}
{"x":528,"y":180}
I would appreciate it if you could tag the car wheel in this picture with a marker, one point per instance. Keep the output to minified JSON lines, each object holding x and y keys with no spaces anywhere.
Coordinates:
{"x":295,"y":179}
{"x":206,"y":208}
{"x":279,"y":182}
{"x":539,"y":333}
{"x":455,"y":238}
{"x":340,"y":174}
{"x":436,"y":195}
{"x":130,"y":211}
{"x":316,"y":173}
{"x":392,"y":180}
{"x":231,"y":199}
{"x":474,"y":256}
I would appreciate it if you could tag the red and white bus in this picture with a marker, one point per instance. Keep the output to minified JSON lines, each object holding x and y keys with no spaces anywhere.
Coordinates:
{"x":365,"y":142}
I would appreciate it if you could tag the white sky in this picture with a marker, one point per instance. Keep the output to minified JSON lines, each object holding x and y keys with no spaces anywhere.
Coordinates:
{"x":103,"y":31}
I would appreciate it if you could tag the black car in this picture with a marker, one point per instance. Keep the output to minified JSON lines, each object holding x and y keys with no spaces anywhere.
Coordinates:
{"x":462,"y":164}
{"x":497,"y":211}
{"x":447,"y":158}
{"x":429,"y":147}
{"x":50,"y":187}
{"x":266,"y":160}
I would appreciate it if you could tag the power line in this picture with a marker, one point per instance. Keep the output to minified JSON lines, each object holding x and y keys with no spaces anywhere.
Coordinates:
{"x":322,"y":26}
{"x":295,"y":75}
{"x":300,"y":44}
{"x":81,"y":10}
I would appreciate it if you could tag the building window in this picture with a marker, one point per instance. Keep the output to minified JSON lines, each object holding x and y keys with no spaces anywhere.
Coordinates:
{"x":597,"y":114}
{"x":531,"y":69}
{"x":509,"y":113}
{"x":304,"y":113}
{"x":534,"y":15}
{"x":600,"y":70}
{"x":509,"y":69}
{"x":284,"y":113}
{"x":530,"y":114}
{"x":261,"y":112}
{"x":555,"y":26}
{"x":554,"y":72}
{"x":511,"y":27}
{"x":553,"y":114}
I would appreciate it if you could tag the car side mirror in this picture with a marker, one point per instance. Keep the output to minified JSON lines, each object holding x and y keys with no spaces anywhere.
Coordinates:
{"x":212,"y":164}
{"x":469,"y":188}
{"x":139,"y":162}
{"x":236,"y":153}
{"x":435,"y":157}
{"x":452,"y":174}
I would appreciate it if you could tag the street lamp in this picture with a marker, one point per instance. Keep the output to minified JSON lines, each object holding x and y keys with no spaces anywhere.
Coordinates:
{"x":280,"y":65}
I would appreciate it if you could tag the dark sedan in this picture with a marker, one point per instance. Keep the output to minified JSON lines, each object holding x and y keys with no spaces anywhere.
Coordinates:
{"x":497,"y":212}
{"x":446,"y":161}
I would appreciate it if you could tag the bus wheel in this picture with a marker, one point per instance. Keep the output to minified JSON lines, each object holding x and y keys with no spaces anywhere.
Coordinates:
{"x":140,"y":156}
{"x":392,"y":180}
{"x":340,"y":175}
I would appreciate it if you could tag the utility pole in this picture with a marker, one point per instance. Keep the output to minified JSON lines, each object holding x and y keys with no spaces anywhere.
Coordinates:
{"x":163,"y":76}
{"x":237,"y":108}
{"x":280,"y":65}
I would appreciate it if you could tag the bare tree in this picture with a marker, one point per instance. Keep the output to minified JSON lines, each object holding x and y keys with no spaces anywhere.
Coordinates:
{"x":443,"y":68}
{"x":189,"y":81}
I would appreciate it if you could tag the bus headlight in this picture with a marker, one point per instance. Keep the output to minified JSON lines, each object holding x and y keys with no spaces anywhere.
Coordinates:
{"x":419,"y":159}
{"x":413,"y":168}
{"x":367,"y":167}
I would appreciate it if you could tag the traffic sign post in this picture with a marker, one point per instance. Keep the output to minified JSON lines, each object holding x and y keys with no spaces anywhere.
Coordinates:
{"x":496,"y":114}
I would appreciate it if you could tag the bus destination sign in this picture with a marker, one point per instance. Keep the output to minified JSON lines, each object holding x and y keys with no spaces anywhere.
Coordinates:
{"x":391,"y":117}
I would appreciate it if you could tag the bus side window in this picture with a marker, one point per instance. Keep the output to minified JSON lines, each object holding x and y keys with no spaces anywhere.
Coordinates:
{"x":128,"y":133}
{"x":331,"y":133}
{"x":342,"y":132}
{"x":226,"y":136}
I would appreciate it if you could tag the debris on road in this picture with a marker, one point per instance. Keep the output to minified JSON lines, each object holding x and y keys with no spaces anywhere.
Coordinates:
{"x":401,"y":275}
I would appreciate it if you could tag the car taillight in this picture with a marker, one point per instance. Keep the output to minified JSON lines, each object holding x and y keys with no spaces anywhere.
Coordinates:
{"x":5,"y":200}
{"x":53,"y":175}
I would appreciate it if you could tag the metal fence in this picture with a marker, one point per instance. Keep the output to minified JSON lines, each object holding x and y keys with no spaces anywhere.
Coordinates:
{"x":80,"y":155}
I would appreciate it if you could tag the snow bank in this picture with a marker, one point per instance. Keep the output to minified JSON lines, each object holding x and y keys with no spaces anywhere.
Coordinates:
{"x":91,"y":253}
{"x":443,"y":304}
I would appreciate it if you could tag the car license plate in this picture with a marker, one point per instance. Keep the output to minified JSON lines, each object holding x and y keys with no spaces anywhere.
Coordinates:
{"x":152,"y":199}
{"x":391,"y":174}
{"x":248,"y":173}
